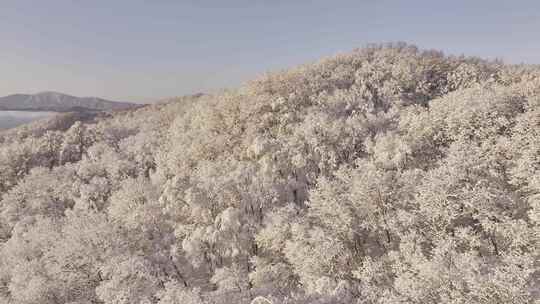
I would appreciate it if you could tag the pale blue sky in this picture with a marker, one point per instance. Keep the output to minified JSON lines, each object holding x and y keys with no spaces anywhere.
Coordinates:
{"x":145,"y":50}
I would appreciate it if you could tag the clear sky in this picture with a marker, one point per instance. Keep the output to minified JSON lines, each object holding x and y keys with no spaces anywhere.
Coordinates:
{"x":145,"y":50}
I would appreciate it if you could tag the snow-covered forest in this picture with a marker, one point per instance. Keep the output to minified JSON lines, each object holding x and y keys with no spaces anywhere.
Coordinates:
{"x":385,"y":175}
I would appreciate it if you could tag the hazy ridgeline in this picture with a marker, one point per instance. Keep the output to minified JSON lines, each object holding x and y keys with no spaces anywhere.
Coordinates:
{"x":18,"y":109}
{"x":10,"y":119}
{"x":385,"y":175}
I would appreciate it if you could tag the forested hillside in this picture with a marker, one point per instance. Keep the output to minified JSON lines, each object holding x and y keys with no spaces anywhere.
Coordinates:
{"x":384,"y":175}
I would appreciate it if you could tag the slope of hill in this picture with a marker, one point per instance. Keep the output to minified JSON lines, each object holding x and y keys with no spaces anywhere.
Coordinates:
{"x":58,"y":102}
{"x":386,"y":175}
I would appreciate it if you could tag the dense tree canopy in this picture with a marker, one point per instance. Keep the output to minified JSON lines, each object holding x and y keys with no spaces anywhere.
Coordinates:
{"x":385,"y":175}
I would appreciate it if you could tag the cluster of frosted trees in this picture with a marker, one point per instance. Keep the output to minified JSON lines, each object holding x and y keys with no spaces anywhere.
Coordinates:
{"x":386,"y":175}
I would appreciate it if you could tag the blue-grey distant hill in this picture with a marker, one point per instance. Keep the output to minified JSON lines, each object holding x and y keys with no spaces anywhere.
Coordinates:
{"x":58,"y":102}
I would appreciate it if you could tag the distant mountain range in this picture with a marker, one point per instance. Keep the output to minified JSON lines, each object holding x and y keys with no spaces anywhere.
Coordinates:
{"x":9,"y":119}
{"x":58,"y":102}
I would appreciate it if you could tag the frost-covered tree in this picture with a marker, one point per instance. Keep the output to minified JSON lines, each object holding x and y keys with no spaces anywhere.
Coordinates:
{"x":385,"y":175}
